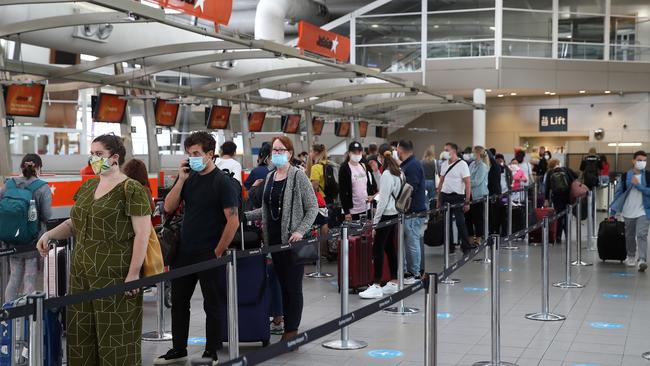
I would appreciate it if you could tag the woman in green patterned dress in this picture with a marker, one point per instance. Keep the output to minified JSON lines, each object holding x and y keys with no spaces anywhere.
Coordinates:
{"x":111,"y":223}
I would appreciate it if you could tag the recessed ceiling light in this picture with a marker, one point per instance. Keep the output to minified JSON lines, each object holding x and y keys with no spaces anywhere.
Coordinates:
{"x":492,"y":28}
{"x":375,"y":26}
{"x":552,"y":93}
{"x":436,"y":26}
{"x":607,"y":91}
{"x":488,"y":90}
{"x":582,"y":91}
{"x":513,"y":94}
{"x":500,"y":95}
{"x":547,"y":92}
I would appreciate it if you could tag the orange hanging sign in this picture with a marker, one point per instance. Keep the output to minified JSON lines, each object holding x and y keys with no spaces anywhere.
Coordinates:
{"x":217,"y":11}
{"x":319,"y":41}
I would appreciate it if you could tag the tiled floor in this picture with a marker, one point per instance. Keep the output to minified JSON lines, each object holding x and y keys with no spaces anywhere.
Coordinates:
{"x":464,"y":337}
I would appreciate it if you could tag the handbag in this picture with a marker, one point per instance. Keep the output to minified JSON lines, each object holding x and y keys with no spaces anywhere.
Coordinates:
{"x":305,"y":254}
{"x":578,"y":190}
{"x":153,"y":259}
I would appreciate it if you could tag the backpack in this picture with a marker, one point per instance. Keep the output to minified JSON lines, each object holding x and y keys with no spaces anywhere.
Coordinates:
{"x":404,"y":197}
{"x":331,"y":188}
{"x":591,"y":173}
{"x":16,"y":228}
{"x":559,"y":182}
{"x":624,"y":180}
{"x":250,"y":236}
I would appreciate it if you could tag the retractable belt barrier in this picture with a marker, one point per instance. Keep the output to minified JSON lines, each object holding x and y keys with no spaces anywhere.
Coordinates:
{"x":322,"y":330}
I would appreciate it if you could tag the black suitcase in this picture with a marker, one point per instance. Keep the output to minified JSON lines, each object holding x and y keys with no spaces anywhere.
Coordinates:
{"x":611,"y":240}
{"x":518,"y":218}
{"x":434,"y":235}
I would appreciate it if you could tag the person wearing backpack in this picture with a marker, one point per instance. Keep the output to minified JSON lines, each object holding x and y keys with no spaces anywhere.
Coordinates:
{"x":413,"y":227}
{"x":632,"y":201}
{"x":590,"y":166}
{"x":557,"y":189}
{"x":454,"y":188}
{"x":29,"y":214}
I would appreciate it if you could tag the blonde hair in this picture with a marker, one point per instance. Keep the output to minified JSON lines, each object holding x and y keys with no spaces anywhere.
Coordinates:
{"x":429,"y":154}
{"x":482,"y":155}
{"x":553,"y":163}
{"x":321,"y":151}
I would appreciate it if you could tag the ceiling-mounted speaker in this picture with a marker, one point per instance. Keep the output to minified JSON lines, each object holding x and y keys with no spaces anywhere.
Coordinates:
{"x":599,"y":134}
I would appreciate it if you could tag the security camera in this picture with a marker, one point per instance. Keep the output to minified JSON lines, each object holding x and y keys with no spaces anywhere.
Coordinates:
{"x":624,"y":125}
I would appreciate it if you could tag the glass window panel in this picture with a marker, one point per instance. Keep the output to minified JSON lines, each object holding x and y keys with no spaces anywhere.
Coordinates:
{"x":583,"y":6}
{"x":631,"y":7}
{"x":466,"y":25}
{"x":581,"y":51}
{"x":438,"y":5}
{"x":577,"y":28}
{"x":527,"y":49}
{"x":518,"y":24}
{"x":630,"y":31}
{"x":529,"y":4}
{"x":398,"y":58}
{"x":401,"y":6}
{"x":394,"y":29}
{"x":629,"y":53}
{"x":460,"y":49}
{"x":343,"y":29}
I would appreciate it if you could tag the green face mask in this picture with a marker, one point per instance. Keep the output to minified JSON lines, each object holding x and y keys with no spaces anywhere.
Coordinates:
{"x":99,"y":164}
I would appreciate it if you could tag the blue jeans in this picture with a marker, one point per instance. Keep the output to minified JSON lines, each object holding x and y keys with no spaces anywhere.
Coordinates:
{"x":412,"y":235}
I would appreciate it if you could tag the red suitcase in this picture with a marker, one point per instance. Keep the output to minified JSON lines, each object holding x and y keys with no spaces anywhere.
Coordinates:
{"x":360,"y":267}
{"x":536,"y":236}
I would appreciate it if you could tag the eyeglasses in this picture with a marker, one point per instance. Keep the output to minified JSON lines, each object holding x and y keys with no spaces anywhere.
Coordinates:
{"x":279,"y":151}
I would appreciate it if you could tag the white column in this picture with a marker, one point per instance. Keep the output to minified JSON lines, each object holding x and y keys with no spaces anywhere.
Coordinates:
{"x":479,"y":118}
{"x":424,"y":41}
{"x":498,"y":34}
{"x":556,"y":24}
{"x":247,"y":160}
{"x":152,"y":140}
{"x":353,"y":40}
{"x":608,"y":15}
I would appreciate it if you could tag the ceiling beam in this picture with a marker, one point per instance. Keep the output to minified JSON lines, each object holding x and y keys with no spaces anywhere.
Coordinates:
{"x":265,"y":74}
{"x":290,"y":80}
{"x":63,"y":21}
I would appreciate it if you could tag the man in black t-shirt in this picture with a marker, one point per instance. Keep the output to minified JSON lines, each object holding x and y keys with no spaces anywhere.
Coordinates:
{"x":590,"y":167}
{"x":210,"y":221}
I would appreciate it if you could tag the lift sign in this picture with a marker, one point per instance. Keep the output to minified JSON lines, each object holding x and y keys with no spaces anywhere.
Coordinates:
{"x":552,"y":120}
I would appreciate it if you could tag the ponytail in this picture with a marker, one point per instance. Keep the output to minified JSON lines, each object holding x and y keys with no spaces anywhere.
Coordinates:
{"x":29,"y":164}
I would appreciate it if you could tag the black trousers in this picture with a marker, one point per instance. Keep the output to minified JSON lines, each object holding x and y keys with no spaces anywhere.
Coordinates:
{"x":498,"y":217}
{"x":290,"y":277}
{"x":559,"y":204}
{"x":458,"y":214}
{"x":182,"y":291}
{"x":384,"y":244}
{"x":475,"y":226}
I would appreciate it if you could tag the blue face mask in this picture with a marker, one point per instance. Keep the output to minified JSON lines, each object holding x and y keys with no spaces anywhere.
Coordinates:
{"x":197,"y":163}
{"x":279,"y":160}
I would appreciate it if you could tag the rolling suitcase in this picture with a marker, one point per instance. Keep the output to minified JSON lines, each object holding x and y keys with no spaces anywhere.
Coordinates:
{"x":434,"y":235}
{"x":360,"y":273}
{"x":254,"y":302}
{"x":536,"y":236}
{"x":611,"y":240}
{"x":518,"y":218}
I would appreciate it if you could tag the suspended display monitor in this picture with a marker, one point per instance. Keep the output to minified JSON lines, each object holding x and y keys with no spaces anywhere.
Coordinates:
{"x":381,"y":132}
{"x":363,"y":129}
{"x":290,"y":123}
{"x":217,"y":117}
{"x":256,"y":121}
{"x":317,"y":124}
{"x":342,"y":129}
{"x":108,"y":108}
{"x":166,"y":113}
{"x":24,"y":100}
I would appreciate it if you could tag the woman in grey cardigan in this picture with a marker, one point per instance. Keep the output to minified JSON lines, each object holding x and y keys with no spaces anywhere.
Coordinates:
{"x":289,"y":208}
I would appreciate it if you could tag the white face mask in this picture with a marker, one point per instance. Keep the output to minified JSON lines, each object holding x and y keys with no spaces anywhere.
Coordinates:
{"x":640,"y":164}
{"x":446,"y":155}
{"x":356,"y":158}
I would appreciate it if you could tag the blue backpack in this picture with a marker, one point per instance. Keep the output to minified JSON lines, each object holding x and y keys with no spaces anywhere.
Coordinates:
{"x":15,"y":227}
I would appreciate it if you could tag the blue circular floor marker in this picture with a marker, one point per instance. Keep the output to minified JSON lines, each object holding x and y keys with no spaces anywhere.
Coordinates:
{"x":475,"y":289}
{"x":443,"y":316}
{"x":604,"y":325}
{"x":616,"y":296}
{"x":623,"y":274}
{"x":385,"y":353}
{"x":196,"y":341}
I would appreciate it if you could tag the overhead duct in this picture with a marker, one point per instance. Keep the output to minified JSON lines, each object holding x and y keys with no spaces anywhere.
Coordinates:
{"x":271,"y":15}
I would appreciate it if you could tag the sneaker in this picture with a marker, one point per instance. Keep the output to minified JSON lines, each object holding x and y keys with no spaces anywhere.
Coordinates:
{"x":372,"y":292}
{"x":277,"y":329}
{"x":411,"y":280}
{"x":390,"y":288}
{"x":171,"y":357}
{"x":211,"y":355}
{"x":630,"y":262}
{"x":642,"y":265}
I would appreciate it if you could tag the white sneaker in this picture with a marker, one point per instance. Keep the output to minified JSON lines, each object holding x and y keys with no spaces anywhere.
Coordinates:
{"x":630,"y":262}
{"x":390,"y":288}
{"x":411,"y":281}
{"x":372,"y":292}
{"x":642,"y":266}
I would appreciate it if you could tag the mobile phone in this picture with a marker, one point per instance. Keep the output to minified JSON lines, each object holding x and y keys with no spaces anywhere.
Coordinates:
{"x":186,"y":166}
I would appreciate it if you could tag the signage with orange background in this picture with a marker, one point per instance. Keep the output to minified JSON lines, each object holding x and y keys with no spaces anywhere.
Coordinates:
{"x":342,"y":129}
{"x":166,"y":113}
{"x":218,"y":117}
{"x":217,"y":11}
{"x":110,"y":108}
{"x":363,"y":129}
{"x":290,"y":123}
{"x":256,"y":121}
{"x":319,"y":41}
{"x":63,"y":190}
{"x":24,"y":100}
{"x":317,"y":124}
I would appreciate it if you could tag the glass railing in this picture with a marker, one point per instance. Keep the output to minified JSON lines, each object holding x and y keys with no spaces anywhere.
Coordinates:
{"x":391,"y":58}
{"x":462,"y":48}
{"x":619,"y":52}
{"x":581,"y":51}
{"x":527,"y":48}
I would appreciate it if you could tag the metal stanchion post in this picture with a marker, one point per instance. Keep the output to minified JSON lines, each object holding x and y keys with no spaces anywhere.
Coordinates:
{"x":567,"y":281}
{"x":4,"y":277}
{"x":430,"y":326}
{"x":579,"y":261}
{"x":545,"y":315}
{"x":496,"y":309}
{"x":590,"y":220}
{"x":345,"y":343}
{"x":36,"y":335}
{"x":69,"y":247}
{"x":448,"y":281}
{"x":401,"y":309}
{"x":319,"y":273}
{"x":509,"y":245}
{"x":159,"y":334}
{"x":486,"y":231}
{"x":233,"y":306}
{"x":535,"y":193}
{"x":527,"y":208}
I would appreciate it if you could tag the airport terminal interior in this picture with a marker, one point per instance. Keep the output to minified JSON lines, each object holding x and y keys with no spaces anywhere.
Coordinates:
{"x":467,"y":182}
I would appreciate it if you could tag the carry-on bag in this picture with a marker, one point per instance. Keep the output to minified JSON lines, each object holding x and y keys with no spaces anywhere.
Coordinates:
{"x":434,"y":235}
{"x":360,"y":268}
{"x":536,"y":235}
{"x":611,"y":240}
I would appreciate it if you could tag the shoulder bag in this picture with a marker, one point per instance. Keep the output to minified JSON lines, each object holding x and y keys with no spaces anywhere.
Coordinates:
{"x":305,"y":254}
{"x":153,"y":260}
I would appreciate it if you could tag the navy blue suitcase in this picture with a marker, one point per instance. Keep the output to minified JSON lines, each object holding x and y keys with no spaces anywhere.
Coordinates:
{"x":254,"y":302}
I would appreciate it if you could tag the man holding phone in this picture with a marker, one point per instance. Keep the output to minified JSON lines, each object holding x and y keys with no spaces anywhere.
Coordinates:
{"x":211,"y":219}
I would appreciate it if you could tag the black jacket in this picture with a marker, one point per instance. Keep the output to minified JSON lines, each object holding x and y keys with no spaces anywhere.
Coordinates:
{"x":494,"y":176}
{"x":345,"y":185}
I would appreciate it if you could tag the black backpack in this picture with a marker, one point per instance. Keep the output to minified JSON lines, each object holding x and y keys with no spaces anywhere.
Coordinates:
{"x":591,"y":173}
{"x":624,"y":180}
{"x":559,"y":182}
{"x":250,"y":234}
{"x":331,"y":188}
